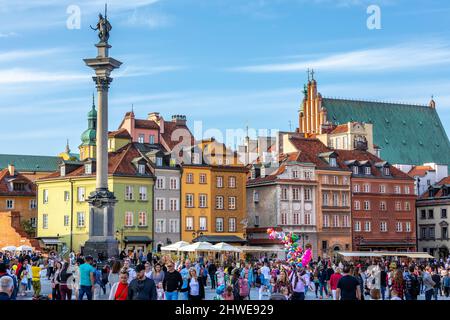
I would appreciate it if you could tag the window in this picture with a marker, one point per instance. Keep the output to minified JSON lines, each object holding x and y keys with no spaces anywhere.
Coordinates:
{"x":333,"y":162}
{"x":356,"y":188}
{"x":66,"y":196}
{"x":219,"y":161}
{"x":345,"y":181}
{"x":160,"y":204}
{"x":232,"y":225}
{"x":128,"y":192}
{"x":174,"y":226}
{"x":308,"y":194}
{"x":444,"y":213}
{"x":335,"y":180}
{"x":296,"y":194}
{"x":173,"y":185}
{"x":45,"y":196}
{"x":9,"y":204}
{"x":355,"y":170}
{"x":173,"y":203}
{"x":283,"y":218}
{"x":232,"y":182}
{"x":366,"y":205}
{"x":203,"y":178}
{"x":284,"y":193}
{"x":62,"y":171}
{"x":308,"y":175}
{"x":431,"y":214}
{"x":324,"y":245}
{"x":357,"y":205}
{"x":33,"y":204}
{"x":81,"y":194}
{"x":335,"y":200}
{"x":407,"y":190}
{"x":296,"y":218}
{"x":407,"y":206}
{"x":219,"y":182}
{"x":398,"y":206}
{"x":151,"y":139}
{"x":66,"y":221}
{"x":159,"y":162}
{"x":386,"y":171}
{"x":256,"y":221}
{"x":295,"y":174}
{"x":255,"y":196}
{"x":128,"y":219}
{"x":382,"y":205}
{"x":367,"y":226}
{"x":196,"y":158}
{"x":326,"y":221}
{"x":142,"y":219}
{"x":189,"y":178}
{"x":431,"y":233}
{"x":202,"y":224}
{"x":344,"y":199}
{"x":141,"y":168}
{"x":141,"y":138}
{"x":423,"y":233}
{"x":160,"y":183}
{"x":335,"y":221}
{"x":219,"y":224}
{"x":397,"y":189}
{"x":143,"y":193}
{"x":444,"y":233}
{"x":367,"y":188}
{"x":189,"y":200}
{"x":45,"y":221}
{"x":160,"y":226}
{"x":398,"y":227}
{"x":80,"y":220}
{"x":408,"y":226}
{"x":189,"y":223}
{"x":325,"y":199}
{"x":383,"y":226}
{"x":346,"y":221}
{"x":232,"y":203}
{"x":219,"y":202}
{"x":367,"y":171}
{"x":382,"y":188}
{"x":325,"y":179}
{"x":33,"y":222}
{"x":88,"y":168}
{"x":423,"y":214}
{"x":202,"y":199}
{"x":357,"y":226}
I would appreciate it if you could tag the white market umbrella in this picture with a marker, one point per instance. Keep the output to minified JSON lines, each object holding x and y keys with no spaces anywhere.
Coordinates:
{"x":175,"y":246}
{"x":24,"y":248}
{"x":198,"y":246}
{"x":222,"y":246}
{"x":9,"y":248}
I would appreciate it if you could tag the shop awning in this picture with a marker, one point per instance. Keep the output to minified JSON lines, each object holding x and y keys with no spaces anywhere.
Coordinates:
{"x":358,"y":254}
{"x":51,"y":241}
{"x":218,"y":239}
{"x":420,"y":255}
{"x":137,"y":239}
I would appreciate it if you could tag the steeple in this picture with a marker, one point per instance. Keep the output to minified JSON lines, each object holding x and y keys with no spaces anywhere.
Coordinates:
{"x":67,"y":147}
{"x":88,"y":137}
{"x":432,"y":103}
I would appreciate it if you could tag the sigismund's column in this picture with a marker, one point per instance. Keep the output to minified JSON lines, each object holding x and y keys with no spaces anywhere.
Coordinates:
{"x":101,"y":241}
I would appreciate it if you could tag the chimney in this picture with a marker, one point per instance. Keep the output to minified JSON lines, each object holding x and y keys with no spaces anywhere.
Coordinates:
{"x":179,"y":119}
{"x":432,"y":103}
{"x":154,"y":116}
{"x":11,"y":169}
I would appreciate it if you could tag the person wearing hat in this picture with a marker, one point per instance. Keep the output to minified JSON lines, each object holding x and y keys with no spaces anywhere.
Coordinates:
{"x":142,"y":288}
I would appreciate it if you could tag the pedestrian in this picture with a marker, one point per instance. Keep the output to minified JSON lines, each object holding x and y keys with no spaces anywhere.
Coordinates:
{"x":298,"y":283}
{"x":119,"y":290}
{"x":348,"y":286}
{"x":87,"y":278}
{"x":212,"y":269}
{"x":64,"y":285}
{"x":334,"y":279}
{"x":383,"y":280}
{"x":114,"y":273}
{"x":148,"y":269}
{"x":446,"y":283}
{"x":437,"y":283}
{"x":412,"y":284}
{"x":131,"y":271}
{"x":283,"y":283}
{"x":36,"y":273}
{"x":4,"y":273}
{"x":6,"y":288}
{"x":228,"y":294}
{"x":97,"y":283}
{"x":323,"y":282}
{"x":157,"y":274}
{"x":55,"y":281}
{"x":195,"y":289}
{"x":172,"y":282}
{"x":244,"y":287}
{"x":141,"y":288}
{"x":23,"y":275}
{"x":428,"y":283}
{"x":398,"y":284}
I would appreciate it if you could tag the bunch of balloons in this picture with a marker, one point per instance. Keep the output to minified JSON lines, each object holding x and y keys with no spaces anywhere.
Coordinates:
{"x":294,"y":252}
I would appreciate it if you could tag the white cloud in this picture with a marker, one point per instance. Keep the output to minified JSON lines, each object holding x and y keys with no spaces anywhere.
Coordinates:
{"x":404,"y":56}
{"x":7,"y":34}
{"x":8,"y":56}
{"x":17,"y":75}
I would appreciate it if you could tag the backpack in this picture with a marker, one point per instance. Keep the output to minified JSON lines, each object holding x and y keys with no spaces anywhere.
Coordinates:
{"x":415,"y":285}
{"x":244,"y":290}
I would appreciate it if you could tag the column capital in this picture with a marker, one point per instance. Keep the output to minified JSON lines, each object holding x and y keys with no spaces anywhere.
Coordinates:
{"x":102,"y":83}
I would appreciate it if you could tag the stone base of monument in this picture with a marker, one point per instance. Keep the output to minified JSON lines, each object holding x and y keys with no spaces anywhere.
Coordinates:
{"x":101,"y":244}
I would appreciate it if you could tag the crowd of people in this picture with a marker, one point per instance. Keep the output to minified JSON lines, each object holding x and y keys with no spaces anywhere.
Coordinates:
{"x":155,"y":277}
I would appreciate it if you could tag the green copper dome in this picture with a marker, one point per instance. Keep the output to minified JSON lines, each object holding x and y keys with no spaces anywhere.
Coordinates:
{"x":88,"y":136}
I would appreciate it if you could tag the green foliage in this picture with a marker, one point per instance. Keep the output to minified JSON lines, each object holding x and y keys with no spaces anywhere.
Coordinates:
{"x":28,"y":228}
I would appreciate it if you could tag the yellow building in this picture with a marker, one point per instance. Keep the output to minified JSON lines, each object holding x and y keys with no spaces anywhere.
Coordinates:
{"x":213,"y":199}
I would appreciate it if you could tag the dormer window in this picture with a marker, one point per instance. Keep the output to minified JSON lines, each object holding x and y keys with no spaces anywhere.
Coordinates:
{"x":367,"y":171}
{"x":263,"y":172}
{"x":141,"y":168}
{"x":88,"y":168}
{"x":355,"y":170}
{"x":159,"y":162}
{"x":333,"y":162}
{"x":62,"y":171}
{"x":196,"y":158}
{"x":253,"y":173}
{"x":386,"y":172}
{"x":173,"y":162}
{"x":141,"y":138}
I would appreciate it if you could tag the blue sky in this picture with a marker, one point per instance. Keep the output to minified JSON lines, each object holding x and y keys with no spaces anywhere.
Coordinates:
{"x":227,"y":63}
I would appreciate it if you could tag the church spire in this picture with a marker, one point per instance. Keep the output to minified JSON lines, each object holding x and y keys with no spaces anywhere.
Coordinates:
{"x":67,"y":147}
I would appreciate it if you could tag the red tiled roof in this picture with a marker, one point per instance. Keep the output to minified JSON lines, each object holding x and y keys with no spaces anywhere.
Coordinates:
{"x":145,"y":124}
{"x":121,"y":133}
{"x":18,"y":177}
{"x":119,"y":163}
{"x":419,"y":171}
{"x":340,"y":128}
{"x":445,"y":181}
{"x":169,"y":129}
